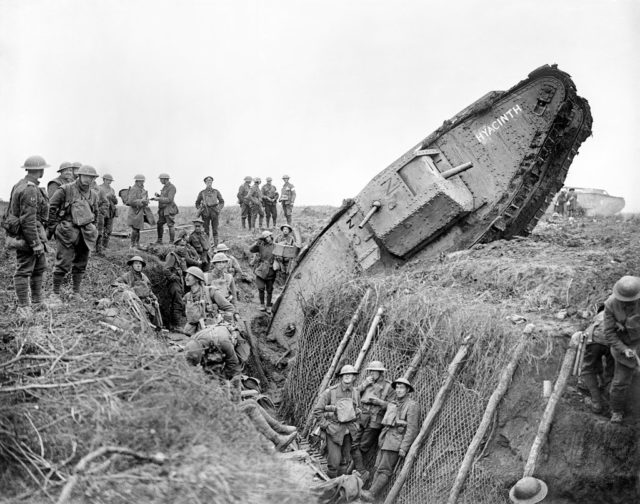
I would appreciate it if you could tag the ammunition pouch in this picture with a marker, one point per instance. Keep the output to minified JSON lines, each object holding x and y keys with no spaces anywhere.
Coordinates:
{"x":81,"y":213}
{"x":389,"y":418}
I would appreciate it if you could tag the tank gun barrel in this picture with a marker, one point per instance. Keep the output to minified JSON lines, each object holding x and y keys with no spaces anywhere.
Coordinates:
{"x":375,"y":206}
{"x":458,"y":169}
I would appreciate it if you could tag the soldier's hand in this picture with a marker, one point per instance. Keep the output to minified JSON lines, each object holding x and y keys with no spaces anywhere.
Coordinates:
{"x":38,"y":249}
{"x":630,"y":354}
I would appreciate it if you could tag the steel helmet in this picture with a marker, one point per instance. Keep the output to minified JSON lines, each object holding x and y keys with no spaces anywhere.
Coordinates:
{"x":257,"y":179}
{"x":35,"y":163}
{"x":64,"y":166}
{"x":528,"y":490}
{"x":248,"y":179}
{"x":219,"y":257}
{"x":286,"y":226}
{"x":627,"y":288}
{"x":208,"y":177}
{"x":139,"y":178}
{"x":285,"y":177}
{"x":197,"y":220}
{"x":164,"y":175}
{"x":269,"y":179}
{"x":136,"y":258}
{"x":266,"y":234}
{"x":376,"y":365}
{"x":76,"y":164}
{"x":222,"y":248}
{"x":87,"y":170}
{"x":196,"y":272}
{"x":180,"y":237}
{"x":193,"y":352}
{"x":106,"y":176}
{"x":348,"y":369}
{"x":404,"y":381}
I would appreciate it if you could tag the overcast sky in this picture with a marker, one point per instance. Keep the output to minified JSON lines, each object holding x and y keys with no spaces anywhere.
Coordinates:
{"x":329,"y":92}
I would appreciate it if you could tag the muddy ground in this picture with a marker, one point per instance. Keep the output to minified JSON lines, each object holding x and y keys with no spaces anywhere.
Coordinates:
{"x":556,"y":279}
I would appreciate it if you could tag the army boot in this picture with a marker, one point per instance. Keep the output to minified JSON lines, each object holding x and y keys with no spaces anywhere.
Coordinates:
{"x":99,"y":246}
{"x":76,"y":281}
{"x":278,"y":426}
{"x":172,"y":234}
{"x":591,"y":381}
{"x":21,"y":286}
{"x":379,"y":482}
{"x":356,"y":455}
{"x":105,"y":242}
{"x":160,"y":228}
{"x":244,"y":223}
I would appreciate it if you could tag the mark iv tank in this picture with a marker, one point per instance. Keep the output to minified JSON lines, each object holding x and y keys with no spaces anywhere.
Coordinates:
{"x":488,"y":173}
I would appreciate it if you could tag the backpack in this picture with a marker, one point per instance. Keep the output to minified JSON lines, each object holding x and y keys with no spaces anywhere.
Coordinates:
{"x":9,"y":222}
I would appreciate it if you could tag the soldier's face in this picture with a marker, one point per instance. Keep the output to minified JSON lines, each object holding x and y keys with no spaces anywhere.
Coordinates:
{"x":137,"y":266}
{"x":401,"y":390}
{"x":375,"y":375}
{"x":208,"y":183}
{"x":164,"y":181}
{"x":85,"y":180}
{"x":36,"y":173}
{"x":139,"y":183}
{"x":198,"y":228}
{"x":285,"y":231}
{"x":106,"y":182}
{"x":347,"y":379}
{"x":190,"y":280}
{"x":220,"y":266}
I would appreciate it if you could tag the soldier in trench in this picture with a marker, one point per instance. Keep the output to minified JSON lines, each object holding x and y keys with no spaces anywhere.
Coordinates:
{"x":594,"y":375}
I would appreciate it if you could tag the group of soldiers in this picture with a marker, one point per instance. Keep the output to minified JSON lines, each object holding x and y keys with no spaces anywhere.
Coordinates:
{"x":566,"y":202}
{"x":257,"y":202}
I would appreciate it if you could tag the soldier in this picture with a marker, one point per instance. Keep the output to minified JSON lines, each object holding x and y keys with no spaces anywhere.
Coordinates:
{"x":200,"y":242}
{"x":75,"y":166}
{"x":270,"y":201}
{"x":25,"y":219}
{"x":401,"y":425}
{"x":73,"y":215}
{"x":336,"y":412}
{"x":622,"y":330}
{"x":287,"y":198}
{"x":571,"y":204}
{"x":561,"y":199}
{"x":221,"y":279}
{"x":255,"y":199}
{"x":110,"y":212}
{"x":167,"y":209}
{"x":265,"y":274}
{"x":65,"y":176}
{"x":139,"y":211}
{"x":140,"y":284}
{"x":375,"y":392}
{"x":243,"y":201}
{"x":209,"y":204}
{"x":234,"y":265}
{"x":596,"y":347}
{"x":202,"y":301}
{"x":176,"y":264}
{"x":286,"y":237}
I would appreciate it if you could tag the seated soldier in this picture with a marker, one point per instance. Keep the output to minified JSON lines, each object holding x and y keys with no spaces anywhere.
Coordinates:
{"x":139,"y":283}
{"x":234,"y":265}
{"x":199,"y":240}
{"x":203,"y":304}
{"x":221,"y":279}
{"x":176,"y":262}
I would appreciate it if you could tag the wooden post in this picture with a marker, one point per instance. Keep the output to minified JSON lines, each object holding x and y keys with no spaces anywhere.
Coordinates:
{"x":492,"y":405}
{"x":256,"y":356}
{"x":429,"y":421}
{"x":549,"y":412}
{"x":336,"y":358}
{"x":369,"y":338}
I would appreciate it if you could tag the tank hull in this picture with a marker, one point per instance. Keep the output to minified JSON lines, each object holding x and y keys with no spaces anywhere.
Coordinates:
{"x":488,"y":173}
{"x":599,"y":203}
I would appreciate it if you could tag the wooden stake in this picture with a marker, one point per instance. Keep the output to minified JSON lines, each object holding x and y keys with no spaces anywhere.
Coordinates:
{"x":369,"y":338}
{"x":429,"y":421}
{"x":549,"y":412}
{"x":336,"y":358}
{"x":256,"y":355}
{"x":492,"y":405}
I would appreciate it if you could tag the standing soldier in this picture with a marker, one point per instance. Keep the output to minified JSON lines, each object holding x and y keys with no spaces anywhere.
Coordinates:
{"x":111,"y":211}
{"x":137,"y":200}
{"x":375,"y":392}
{"x":561,"y":199}
{"x":72,"y":219}
{"x":337,"y":411}
{"x":595,"y":348}
{"x":244,"y":202}
{"x":622,"y":330}
{"x":28,"y":209}
{"x":209,"y":204}
{"x":65,"y":176}
{"x":401,"y":425}
{"x":571,"y":203}
{"x":167,"y":209}
{"x":255,"y":199}
{"x":287,"y":198}
{"x":270,"y":201}
{"x":265,"y":274}
{"x":200,"y":242}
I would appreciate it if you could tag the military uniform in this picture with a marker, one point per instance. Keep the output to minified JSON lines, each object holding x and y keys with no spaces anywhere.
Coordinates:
{"x":140,"y":284}
{"x":73,"y":215}
{"x":270,"y":202}
{"x":216,"y":349}
{"x":340,"y":435}
{"x":176,"y":264}
{"x":200,"y":242}
{"x":109,"y":212}
{"x":255,"y":199}
{"x":209,"y":204}
{"x":57,"y":182}
{"x":137,"y":199}
{"x":571,"y":204}
{"x":596,"y":347}
{"x":265,"y":274}
{"x":373,"y":397}
{"x":30,"y":204}
{"x":167,"y":210}
{"x":561,"y":199}
{"x":201,"y":303}
{"x":245,"y":203}
{"x":287,"y":198}
{"x":224,"y":282}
